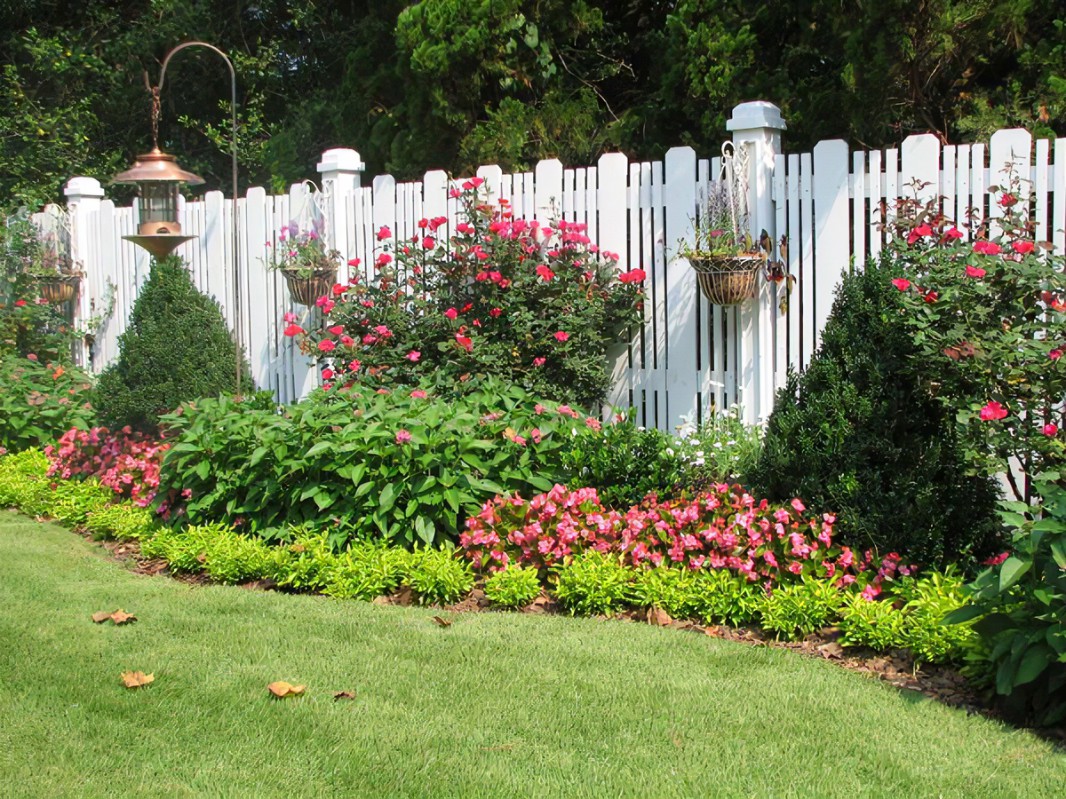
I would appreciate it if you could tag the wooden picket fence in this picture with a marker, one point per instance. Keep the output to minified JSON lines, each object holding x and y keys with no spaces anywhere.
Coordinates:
{"x":689,"y":357}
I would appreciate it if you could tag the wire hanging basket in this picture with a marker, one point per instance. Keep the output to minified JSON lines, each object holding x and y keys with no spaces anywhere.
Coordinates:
{"x":727,"y":280}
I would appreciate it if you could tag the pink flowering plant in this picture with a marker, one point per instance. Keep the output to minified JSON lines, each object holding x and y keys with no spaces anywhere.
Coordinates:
{"x":722,"y":528}
{"x":302,"y":252}
{"x":532,"y":303}
{"x":987,"y":306}
{"x":126,"y":462}
{"x":39,"y":401}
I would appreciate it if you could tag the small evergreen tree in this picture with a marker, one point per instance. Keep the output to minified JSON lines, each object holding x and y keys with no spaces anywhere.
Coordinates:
{"x":176,"y":348}
{"x":857,"y":434}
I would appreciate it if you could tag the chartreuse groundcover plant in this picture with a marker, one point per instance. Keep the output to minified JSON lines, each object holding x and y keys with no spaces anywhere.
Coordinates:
{"x":531,"y":303}
{"x":987,"y":312}
{"x":427,"y":718}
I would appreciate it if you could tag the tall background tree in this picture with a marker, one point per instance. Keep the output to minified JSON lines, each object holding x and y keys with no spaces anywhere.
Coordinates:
{"x":455,"y":83}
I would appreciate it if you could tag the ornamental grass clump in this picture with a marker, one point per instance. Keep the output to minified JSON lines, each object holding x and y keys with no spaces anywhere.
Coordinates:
{"x":534,"y":304}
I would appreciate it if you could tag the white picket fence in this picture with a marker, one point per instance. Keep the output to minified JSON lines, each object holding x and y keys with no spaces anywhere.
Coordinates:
{"x":688,"y":357}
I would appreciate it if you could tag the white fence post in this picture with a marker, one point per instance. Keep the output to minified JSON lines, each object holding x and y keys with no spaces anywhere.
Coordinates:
{"x":340,"y":169}
{"x":83,"y":206}
{"x":756,"y":126}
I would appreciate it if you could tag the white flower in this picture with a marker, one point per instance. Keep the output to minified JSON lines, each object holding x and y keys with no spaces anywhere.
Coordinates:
{"x":669,"y":452}
{"x":717,"y":444}
{"x":698,"y":453}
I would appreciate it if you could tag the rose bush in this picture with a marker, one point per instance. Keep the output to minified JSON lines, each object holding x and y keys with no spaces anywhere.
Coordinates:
{"x":988,"y":317}
{"x":534,"y":304}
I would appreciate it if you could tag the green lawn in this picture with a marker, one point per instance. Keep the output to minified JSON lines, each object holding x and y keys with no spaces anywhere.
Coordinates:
{"x":497,"y":705}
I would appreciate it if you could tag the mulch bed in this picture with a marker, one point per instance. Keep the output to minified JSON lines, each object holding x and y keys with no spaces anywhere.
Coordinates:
{"x":897,"y":668}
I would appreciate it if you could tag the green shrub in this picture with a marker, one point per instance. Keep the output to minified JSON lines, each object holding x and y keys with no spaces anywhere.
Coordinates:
{"x":439,"y":576}
{"x":230,"y":557}
{"x":157,"y":542}
{"x":306,"y":563}
{"x":513,"y":587}
{"x":670,"y":588}
{"x":405,"y":466}
{"x":792,"y":611}
{"x":123,"y":521}
{"x":927,"y":601}
{"x":73,"y":500}
{"x":594,"y":584}
{"x":24,"y":481}
{"x":720,"y":596}
{"x":858,"y":435}
{"x":186,"y":551}
{"x":366,"y":571}
{"x":40,"y":401}
{"x":872,"y":623}
{"x":622,"y":462}
{"x":176,"y":348}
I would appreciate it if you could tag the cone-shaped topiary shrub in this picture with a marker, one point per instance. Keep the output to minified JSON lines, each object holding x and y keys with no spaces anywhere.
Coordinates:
{"x":857,"y":434}
{"x":176,"y":348}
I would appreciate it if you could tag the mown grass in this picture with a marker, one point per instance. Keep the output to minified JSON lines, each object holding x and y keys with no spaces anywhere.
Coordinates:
{"x":495,"y":705}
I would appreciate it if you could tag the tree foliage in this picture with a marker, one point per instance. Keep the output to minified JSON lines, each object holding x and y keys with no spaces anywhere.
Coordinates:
{"x":455,"y":83}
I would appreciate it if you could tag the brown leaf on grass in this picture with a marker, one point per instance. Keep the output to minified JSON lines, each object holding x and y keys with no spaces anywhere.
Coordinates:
{"x":282,"y":689}
{"x":101,"y":616}
{"x":441,"y":622}
{"x":658,"y":617}
{"x":122,"y":617}
{"x":136,"y":679}
{"x":343,"y":695}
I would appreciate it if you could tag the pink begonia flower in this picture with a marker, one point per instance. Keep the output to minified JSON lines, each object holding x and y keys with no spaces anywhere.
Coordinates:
{"x":402,"y":436}
{"x":418,"y":394}
{"x":413,"y":356}
{"x":974,"y":271}
{"x":995,"y":560}
{"x":561,"y":335}
{"x":993,"y":411}
{"x":1050,"y":430}
{"x":901,"y":283}
{"x":798,"y":505}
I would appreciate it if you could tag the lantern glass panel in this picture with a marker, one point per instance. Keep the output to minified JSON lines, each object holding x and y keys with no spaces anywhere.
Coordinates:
{"x":158,"y":202}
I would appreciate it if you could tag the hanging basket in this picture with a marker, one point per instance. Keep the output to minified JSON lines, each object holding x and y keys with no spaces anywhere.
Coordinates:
{"x":305,"y":290}
{"x":727,"y":280}
{"x":60,"y":288}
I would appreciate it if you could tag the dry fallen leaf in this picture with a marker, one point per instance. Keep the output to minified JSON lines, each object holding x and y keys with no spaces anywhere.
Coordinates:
{"x":282,"y":689}
{"x":658,"y":617}
{"x":135,"y":679}
{"x":101,"y":616}
{"x":441,"y":622}
{"x":122,"y":617}
{"x":343,"y":695}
